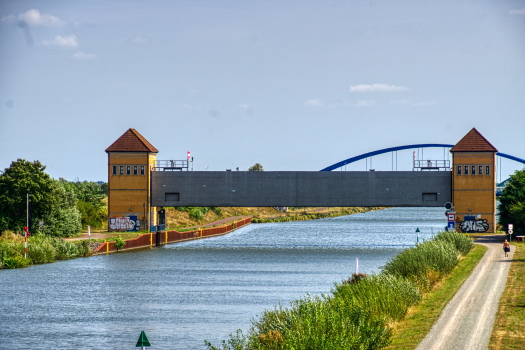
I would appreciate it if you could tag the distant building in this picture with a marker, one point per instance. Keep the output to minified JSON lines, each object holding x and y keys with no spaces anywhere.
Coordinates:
{"x":130,"y":159}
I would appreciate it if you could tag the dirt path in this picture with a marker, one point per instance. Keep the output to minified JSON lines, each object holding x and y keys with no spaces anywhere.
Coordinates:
{"x":466,"y":322}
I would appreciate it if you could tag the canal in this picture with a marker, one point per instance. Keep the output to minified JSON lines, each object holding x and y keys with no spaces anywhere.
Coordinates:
{"x":184,"y":293}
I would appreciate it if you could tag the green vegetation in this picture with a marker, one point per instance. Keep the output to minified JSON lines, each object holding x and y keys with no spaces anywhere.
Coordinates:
{"x":512,"y":203}
{"x":256,"y":167}
{"x":119,"y":243}
{"x":63,"y":206}
{"x":507,"y":332}
{"x":198,"y":213}
{"x":311,"y":216}
{"x":359,"y":313}
{"x":409,"y":332}
{"x":41,"y":249}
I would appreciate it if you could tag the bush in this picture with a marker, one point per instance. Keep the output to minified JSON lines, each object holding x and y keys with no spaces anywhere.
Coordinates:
{"x":424,"y":264}
{"x":462,"y":242}
{"x":119,"y":243}
{"x":83,"y":248}
{"x":217,"y":210}
{"x":383,"y":294}
{"x":64,"y":249}
{"x":41,"y":250}
{"x":14,"y":262}
{"x":314,"y":323}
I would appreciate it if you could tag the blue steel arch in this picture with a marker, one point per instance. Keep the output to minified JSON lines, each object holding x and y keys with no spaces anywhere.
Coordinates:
{"x":400,"y":148}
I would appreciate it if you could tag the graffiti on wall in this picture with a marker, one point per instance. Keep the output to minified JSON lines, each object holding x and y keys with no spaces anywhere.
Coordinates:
{"x":125,"y":223}
{"x":473,"y":225}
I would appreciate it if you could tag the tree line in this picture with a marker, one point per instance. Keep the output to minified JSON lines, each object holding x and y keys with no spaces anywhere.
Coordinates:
{"x":64,"y":206}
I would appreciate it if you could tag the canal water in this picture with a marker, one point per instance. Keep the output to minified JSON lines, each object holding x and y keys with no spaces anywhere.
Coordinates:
{"x":182,"y":294}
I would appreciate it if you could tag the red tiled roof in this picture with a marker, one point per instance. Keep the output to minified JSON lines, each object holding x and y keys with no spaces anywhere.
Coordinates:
{"x":131,"y":141}
{"x":473,"y":142}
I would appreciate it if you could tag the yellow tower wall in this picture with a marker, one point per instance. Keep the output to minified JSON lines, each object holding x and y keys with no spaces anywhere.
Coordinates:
{"x":129,"y":188}
{"x":474,"y":195}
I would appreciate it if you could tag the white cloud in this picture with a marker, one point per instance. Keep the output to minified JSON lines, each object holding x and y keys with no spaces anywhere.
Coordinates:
{"x":140,"y":40}
{"x":63,"y":41}
{"x":365,"y":103}
{"x":80,"y":55}
{"x":376,"y":88}
{"x":9,"y":18}
{"x":517,"y":12}
{"x":315,"y":102}
{"x":35,"y":19}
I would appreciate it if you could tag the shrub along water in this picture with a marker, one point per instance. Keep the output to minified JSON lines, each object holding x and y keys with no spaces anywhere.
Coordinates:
{"x":41,"y":249}
{"x":360,"y":312}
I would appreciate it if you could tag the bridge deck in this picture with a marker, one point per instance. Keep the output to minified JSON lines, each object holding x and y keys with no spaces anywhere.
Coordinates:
{"x":301,"y":188}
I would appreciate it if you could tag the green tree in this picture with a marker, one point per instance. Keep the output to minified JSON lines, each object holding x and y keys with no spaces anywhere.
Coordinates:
{"x":49,"y":200}
{"x":256,"y":167}
{"x":512,"y":203}
{"x":21,"y":178}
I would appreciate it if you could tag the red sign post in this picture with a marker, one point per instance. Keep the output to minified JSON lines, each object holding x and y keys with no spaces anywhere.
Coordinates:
{"x":25,"y":249}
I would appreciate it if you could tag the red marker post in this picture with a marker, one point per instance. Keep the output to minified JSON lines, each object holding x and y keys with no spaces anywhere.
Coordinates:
{"x":25,"y":249}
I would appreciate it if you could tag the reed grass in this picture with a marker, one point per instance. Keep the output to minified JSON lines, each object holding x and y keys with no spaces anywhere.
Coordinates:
{"x":359,"y":313}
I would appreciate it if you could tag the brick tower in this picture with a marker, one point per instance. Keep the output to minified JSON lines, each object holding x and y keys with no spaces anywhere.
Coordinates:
{"x":130,"y":160}
{"x":474,"y":183}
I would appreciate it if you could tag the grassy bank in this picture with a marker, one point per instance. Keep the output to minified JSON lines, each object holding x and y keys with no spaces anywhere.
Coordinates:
{"x":362,"y":312}
{"x":40,"y":250}
{"x":508,"y":331}
{"x":412,"y":330}
{"x":302,"y":215}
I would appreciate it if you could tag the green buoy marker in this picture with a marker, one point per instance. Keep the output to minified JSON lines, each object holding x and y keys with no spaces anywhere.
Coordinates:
{"x":143,"y":341}
{"x":417,"y":231}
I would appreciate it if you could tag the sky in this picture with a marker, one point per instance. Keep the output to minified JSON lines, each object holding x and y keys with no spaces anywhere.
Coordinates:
{"x":293,"y":85}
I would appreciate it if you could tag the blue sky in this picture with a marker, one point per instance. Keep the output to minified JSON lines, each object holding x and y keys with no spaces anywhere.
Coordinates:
{"x":294,"y":85}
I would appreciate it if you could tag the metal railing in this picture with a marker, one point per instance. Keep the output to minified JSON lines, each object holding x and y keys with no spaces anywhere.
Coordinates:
{"x":171,"y":165}
{"x":431,"y":164}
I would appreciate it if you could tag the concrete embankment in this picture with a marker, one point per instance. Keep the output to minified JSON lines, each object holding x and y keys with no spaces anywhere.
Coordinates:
{"x":166,"y":237}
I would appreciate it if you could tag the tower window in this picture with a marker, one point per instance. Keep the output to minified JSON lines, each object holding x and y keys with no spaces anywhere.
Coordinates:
{"x":473,"y":170}
{"x":480,"y":170}
{"x":128,"y":169}
{"x":466,"y":169}
{"x":459,"y":169}
{"x":121,"y":170}
{"x":142,"y":170}
{"x":135,"y":170}
{"x":487,"y":170}
{"x":114,"y":170}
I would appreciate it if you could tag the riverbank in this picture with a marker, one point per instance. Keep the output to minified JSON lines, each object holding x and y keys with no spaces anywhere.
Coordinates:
{"x":362,"y":312}
{"x":317,"y":213}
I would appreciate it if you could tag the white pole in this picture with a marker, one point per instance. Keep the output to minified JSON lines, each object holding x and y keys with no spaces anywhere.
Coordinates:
{"x":89,"y":233}
{"x":356,"y":266}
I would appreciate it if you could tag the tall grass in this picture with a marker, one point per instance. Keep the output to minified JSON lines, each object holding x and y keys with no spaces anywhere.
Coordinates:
{"x":41,"y":249}
{"x":359,"y":313}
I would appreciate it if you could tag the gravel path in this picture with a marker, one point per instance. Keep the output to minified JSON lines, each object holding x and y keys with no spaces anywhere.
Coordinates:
{"x":466,"y":322}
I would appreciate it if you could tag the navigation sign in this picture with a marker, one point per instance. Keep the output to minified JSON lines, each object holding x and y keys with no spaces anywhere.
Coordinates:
{"x":510,"y":232}
{"x":511,"y":226}
{"x":143,"y":340}
{"x":40,"y":223}
{"x":448,"y":205}
{"x":417,"y":231}
{"x":188,"y":155}
{"x":451,"y":217}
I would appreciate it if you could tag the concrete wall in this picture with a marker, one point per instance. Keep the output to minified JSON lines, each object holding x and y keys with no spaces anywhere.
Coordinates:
{"x":301,"y":188}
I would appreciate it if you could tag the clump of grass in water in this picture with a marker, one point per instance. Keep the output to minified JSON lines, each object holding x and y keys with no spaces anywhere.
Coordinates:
{"x":360,"y":311}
